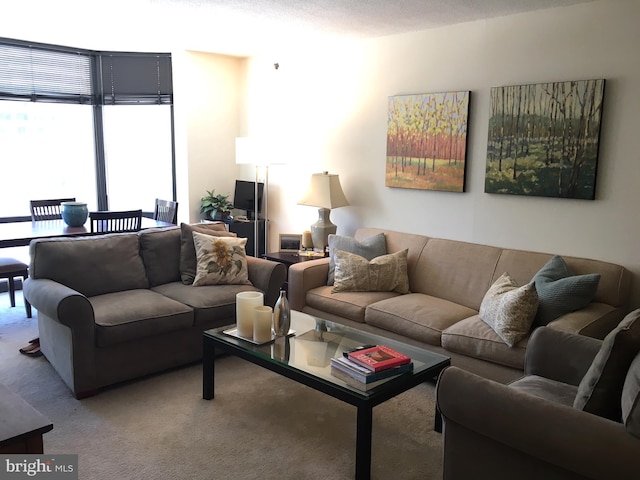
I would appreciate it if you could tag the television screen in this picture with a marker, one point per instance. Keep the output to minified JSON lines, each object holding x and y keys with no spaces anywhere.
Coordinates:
{"x":244,"y":195}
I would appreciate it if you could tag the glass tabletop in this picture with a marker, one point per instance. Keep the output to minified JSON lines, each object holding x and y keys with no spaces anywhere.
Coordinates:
{"x":313,"y":342}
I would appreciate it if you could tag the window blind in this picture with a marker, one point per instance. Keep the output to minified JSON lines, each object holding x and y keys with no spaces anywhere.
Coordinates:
{"x":136,"y":79}
{"x":37,"y":74}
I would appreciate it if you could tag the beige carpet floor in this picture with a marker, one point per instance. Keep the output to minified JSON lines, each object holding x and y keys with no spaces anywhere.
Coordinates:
{"x":259,"y":426}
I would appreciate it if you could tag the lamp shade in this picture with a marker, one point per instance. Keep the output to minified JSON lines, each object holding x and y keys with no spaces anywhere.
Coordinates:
{"x":324,"y":192}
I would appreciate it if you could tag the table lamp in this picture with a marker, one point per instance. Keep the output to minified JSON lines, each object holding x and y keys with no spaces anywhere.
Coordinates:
{"x":325,"y":193}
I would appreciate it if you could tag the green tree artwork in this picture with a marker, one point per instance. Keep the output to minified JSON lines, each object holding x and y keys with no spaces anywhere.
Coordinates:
{"x":543,"y":139}
{"x":427,"y":141}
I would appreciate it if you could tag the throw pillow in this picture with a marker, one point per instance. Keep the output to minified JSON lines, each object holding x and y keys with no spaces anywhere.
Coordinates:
{"x":220,"y":260}
{"x":600,"y":391}
{"x":188,"y":251}
{"x":509,"y":309}
{"x":369,"y":248}
{"x":560,"y":291}
{"x":386,"y":273}
{"x":631,"y":399}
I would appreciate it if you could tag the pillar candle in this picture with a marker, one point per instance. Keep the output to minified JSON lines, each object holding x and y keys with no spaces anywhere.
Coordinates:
{"x":245,"y":303}
{"x":307,"y":242}
{"x":262,"y":319}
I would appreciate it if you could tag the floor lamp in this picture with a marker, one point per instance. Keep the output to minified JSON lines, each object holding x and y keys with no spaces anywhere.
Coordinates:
{"x":251,"y":152}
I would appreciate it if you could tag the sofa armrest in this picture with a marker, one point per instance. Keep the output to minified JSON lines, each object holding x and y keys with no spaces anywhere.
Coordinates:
{"x":268,"y":276}
{"x":595,"y":320}
{"x":303,"y":277}
{"x":561,"y":356}
{"x":60,"y":303}
{"x":504,"y":433}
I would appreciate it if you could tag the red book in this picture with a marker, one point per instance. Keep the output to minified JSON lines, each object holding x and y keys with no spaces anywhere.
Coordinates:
{"x":379,"y":358}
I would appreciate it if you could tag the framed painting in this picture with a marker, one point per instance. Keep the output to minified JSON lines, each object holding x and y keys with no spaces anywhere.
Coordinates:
{"x":544,"y":138}
{"x":427,"y":141}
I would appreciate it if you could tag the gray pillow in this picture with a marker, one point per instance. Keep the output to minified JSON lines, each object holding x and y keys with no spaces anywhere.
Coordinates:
{"x":631,"y":399}
{"x":600,"y":391}
{"x":369,"y":248}
{"x":560,"y":291}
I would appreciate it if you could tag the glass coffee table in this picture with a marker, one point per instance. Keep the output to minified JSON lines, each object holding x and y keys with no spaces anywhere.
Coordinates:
{"x":304,"y":356}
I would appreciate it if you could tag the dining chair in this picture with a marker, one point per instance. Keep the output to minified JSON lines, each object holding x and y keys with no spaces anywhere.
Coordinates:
{"x":121,"y":221}
{"x":48,"y":209}
{"x":166,"y":211}
{"x":9,"y":269}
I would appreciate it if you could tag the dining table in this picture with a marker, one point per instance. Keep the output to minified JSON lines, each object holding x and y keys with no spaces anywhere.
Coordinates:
{"x":19,"y":234}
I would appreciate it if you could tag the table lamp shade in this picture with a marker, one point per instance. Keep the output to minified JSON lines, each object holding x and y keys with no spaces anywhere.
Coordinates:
{"x":326,"y":193}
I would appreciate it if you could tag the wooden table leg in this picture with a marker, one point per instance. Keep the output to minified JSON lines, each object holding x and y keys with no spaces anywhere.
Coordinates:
{"x":208,"y":368}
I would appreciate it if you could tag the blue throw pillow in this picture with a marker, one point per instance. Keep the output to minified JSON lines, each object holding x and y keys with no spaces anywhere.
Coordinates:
{"x":369,"y":248}
{"x":560,"y":291}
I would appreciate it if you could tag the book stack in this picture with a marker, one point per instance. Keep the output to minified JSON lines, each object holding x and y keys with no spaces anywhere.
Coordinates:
{"x":368,"y":366}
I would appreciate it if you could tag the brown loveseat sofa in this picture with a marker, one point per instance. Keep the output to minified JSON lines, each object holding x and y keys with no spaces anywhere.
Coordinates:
{"x":448,"y":280}
{"x":114,"y":307}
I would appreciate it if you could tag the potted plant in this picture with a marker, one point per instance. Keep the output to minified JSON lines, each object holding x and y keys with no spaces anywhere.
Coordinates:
{"x":215,"y":206}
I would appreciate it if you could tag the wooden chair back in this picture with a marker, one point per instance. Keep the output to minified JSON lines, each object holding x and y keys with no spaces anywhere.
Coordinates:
{"x":47,"y":209}
{"x":122,"y":221}
{"x":166,"y":211}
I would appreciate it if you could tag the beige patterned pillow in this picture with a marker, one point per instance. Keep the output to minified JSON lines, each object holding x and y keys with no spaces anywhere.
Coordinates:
{"x":188,"y":250}
{"x":509,"y":309}
{"x":386,"y":273}
{"x":220,"y":260}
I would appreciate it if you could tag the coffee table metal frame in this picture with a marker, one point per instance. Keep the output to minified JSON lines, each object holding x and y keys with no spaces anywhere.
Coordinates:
{"x":427,"y":366}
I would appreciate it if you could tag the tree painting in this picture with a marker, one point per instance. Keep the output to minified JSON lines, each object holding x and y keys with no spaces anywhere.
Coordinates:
{"x":427,"y":141}
{"x":543,"y":139}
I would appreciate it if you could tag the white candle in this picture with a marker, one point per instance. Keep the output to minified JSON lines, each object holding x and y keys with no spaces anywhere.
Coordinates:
{"x":262,"y":318}
{"x":245,"y":303}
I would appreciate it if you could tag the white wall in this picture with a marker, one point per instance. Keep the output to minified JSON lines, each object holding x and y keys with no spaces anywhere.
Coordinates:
{"x":207,"y":94}
{"x":332,"y":106}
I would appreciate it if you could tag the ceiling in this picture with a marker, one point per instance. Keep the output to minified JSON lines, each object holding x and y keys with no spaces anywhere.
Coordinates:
{"x":240,"y":27}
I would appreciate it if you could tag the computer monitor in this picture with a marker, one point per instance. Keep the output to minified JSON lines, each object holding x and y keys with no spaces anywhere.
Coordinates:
{"x":244,"y":197}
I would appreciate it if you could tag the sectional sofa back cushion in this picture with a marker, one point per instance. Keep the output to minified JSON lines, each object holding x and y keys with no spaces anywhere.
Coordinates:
{"x":90,"y":265}
{"x":456,"y":271}
{"x":613,"y":287}
{"x":160,"y":251}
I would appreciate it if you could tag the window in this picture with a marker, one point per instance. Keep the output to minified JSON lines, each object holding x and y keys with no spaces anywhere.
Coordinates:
{"x":92,"y":125}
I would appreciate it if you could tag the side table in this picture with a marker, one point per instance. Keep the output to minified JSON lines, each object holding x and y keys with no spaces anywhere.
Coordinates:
{"x":288,"y":259}
{"x":21,"y":425}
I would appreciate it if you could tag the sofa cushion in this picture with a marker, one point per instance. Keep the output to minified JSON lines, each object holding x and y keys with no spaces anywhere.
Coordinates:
{"x":385,"y":273}
{"x":600,"y":390}
{"x":351,"y":305}
{"x":560,"y":291}
{"x":368,"y":248}
{"x":552,"y":390}
{"x":160,"y":252}
{"x":509,"y":309}
{"x":417,"y":316}
{"x":220,"y":260}
{"x":475,"y":338}
{"x":139,"y":314}
{"x":188,"y":262}
{"x":214,"y":305}
{"x":631,"y":398}
{"x":90,"y":265}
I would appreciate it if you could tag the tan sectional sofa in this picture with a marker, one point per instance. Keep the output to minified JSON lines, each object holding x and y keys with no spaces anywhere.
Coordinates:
{"x":448,"y":280}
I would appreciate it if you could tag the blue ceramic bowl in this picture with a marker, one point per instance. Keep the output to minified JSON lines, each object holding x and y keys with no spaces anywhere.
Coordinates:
{"x":74,"y":214}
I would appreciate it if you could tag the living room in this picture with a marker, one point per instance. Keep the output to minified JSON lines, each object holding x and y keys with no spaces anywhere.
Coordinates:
{"x":326,"y":104}
{"x":344,"y":85}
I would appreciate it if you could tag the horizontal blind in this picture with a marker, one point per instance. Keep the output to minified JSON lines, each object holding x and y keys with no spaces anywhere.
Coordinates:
{"x":36,"y":74}
{"x":136,"y":79}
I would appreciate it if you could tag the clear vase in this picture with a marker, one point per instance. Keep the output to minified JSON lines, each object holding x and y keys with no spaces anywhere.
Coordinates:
{"x":282,"y":315}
